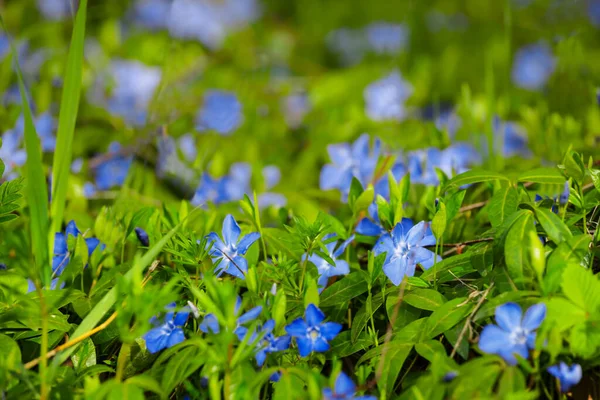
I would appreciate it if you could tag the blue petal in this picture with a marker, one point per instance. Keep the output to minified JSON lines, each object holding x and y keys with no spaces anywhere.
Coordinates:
{"x":181,"y":318}
{"x":247,"y":241}
{"x":416,"y":233}
{"x":92,"y":243}
{"x":330,"y":330}
{"x":71,"y":229}
{"x":320,"y":345}
{"x":340,"y":153}
{"x":368,"y":228}
{"x":385,"y":244}
{"x":238,"y":267}
{"x":60,"y":243}
{"x":156,"y":339}
{"x":322,"y":282}
{"x":343,"y":246}
{"x":313,"y":315}
{"x":493,"y":340}
{"x":282,"y":342}
{"x":331,"y":177}
{"x":395,"y":270}
{"x":231,"y":230}
{"x":210,"y":324}
{"x":297,"y":328}
{"x":508,"y":316}
{"x":261,"y":357}
{"x":344,"y":385}
{"x":250,"y":315}
{"x":215,"y":242}
{"x":305,"y":345}
{"x":534,"y":316}
{"x":175,"y":337}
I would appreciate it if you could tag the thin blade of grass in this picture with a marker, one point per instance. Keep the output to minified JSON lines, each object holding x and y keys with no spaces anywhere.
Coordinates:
{"x":36,"y":190}
{"x":109,"y":299}
{"x":69,"y":107}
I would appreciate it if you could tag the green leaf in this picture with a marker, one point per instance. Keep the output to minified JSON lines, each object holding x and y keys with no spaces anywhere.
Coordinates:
{"x":573,"y":251}
{"x":311,"y":292}
{"x":365,"y":199}
{"x":425,"y":299}
{"x":347,"y":288}
{"x":544,"y":175}
{"x":36,"y":190}
{"x":97,"y":313}
{"x":573,"y":166}
{"x":429,"y":348}
{"x":356,"y":190}
{"x":503,"y":203}
{"x":69,"y":107}
{"x":279,"y":308}
{"x":447,"y":316}
{"x":9,"y":197}
{"x":438,"y":224}
{"x":449,"y":264}
{"x":147,"y":383}
{"x":395,"y":355}
{"x":361,"y":318}
{"x":474,"y":176}
{"x":554,"y":227}
{"x":582,"y":287}
{"x":516,"y":247}
{"x":85,"y":356}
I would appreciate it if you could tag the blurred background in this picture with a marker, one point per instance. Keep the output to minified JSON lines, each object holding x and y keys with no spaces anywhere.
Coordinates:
{"x":212,"y":99}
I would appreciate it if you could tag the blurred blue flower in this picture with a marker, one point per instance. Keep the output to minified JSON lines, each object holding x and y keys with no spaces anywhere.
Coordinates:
{"x":237,"y":182}
{"x":385,"y":98}
{"x":562,"y":198}
{"x":594,"y":12}
{"x":514,"y":334}
{"x":405,"y":248}
{"x":370,"y":226}
{"x":132,"y":89}
{"x":152,"y":13}
{"x":12,"y":154}
{"x":168,"y":332}
{"x":210,"y":190}
{"x":356,"y":160}
{"x":344,"y":389}
{"x":112,"y":171}
{"x":295,"y":107}
{"x":458,"y":158}
{"x":448,"y":121}
{"x":187,"y":145}
{"x":327,"y":270}
{"x":221,"y":112}
{"x":421,"y":166}
{"x":384,"y":37}
{"x":350,"y":45}
{"x":272,"y":176}
{"x":142,"y":236}
{"x":382,"y":187}
{"x":269,"y":199}
{"x":229,"y":251}
{"x":513,"y":138}
{"x":4,"y":45}
{"x":57,"y":10}
{"x":210,"y":323}
{"x":567,"y":376}
{"x":267,"y":342}
{"x":449,"y":376}
{"x":311,"y":333}
{"x":533,"y":66}
{"x":210,"y":21}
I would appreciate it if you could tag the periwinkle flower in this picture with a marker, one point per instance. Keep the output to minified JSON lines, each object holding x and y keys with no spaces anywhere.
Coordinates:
{"x":311,"y":333}
{"x":327,"y":270}
{"x":142,"y":236}
{"x":221,"y":112}
{"x":168,"y":332}
{"x":448,"y":121}
{"x":12,"y":154}
{"x":57,"y":10}
{"x":113,"y":170}
{"x":514,"y":334}
{"x":370,"y":226}
{"x":210,"y":323}
{"x":133,"y":87}
{"x":152,"y":13}
{"x":405,"y":248}
{"x":568,"y":376}
{"x":272,"y":175}
{"x":458,"y":158}
{"x":344,"y":389}
{"x":210,"y":190}
{"x":268,"y":343}
{"x":594,"y":12}
{"x":385,"y":98}
{"x":513,"y":138}
{"x":384,"y":37}
{"x":230,"y":250}
{"x":356,"y":160}
{"x":533,"y":66}
{"x":269,"y":199}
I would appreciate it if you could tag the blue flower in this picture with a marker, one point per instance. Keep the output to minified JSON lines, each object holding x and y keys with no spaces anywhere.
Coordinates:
{"x":370,"y":226}
{"x":229,"y":251}
{"x":210,"y":190}
{"x":513,"y":137}
{"x":533,"y":66}
{"x":421,"y":166}
{"x":295,"y":107}
{"x":594,"y":12}
{"x":272,"y":176}
{"x":344,"y":389}
{"x":387,"y":38}
{"x":112,"y":171}
{"x":55,"y":10}
{"x":152,"y":13}
{"x":210,"y":323}
{"x":405,"y":248}
{"x":449,"y":122}
{"x":327,"y":270}
{"x":167,"y":333}
{"x":311,"y":333}
{"x":221,"y":112}
{"x":237,"y":182}
{"x":267,"y":343}
{"x":12,"y":154}
{"x":514,"y":334}
{"x":562,"y":198}
{"x":142,"y":236}
{"x":133,"y":86}
{"x":449,"y":376}
{"x":385,"y":98}
{"x":356,"y":160}
{"x":568,"y":376}
{"x":269,"y":199}
{"x":458,"y":158}
{"x":187,"y":145}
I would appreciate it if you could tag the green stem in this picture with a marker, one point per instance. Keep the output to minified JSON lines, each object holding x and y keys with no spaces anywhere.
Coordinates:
{"x":44,"y":390}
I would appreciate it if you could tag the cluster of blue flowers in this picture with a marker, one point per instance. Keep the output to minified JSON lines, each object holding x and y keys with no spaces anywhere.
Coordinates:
{"x":351,"y":45}
{"x":515,"y":335}
{"x":385,"y":98}
{"x":110,"y":172}
{"x":533,"y":66}
{"x":208,"y":22}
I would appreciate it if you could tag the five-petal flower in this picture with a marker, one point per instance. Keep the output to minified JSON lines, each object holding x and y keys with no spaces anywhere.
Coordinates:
{"x":568,"y":376}
{"x":229,"y":251}
{"x":311,"y":333}
{"x":167,"y":333}
{"x":344,"y":389}
{"x":327,"y":270}
{"x":405,"y":248}
{"x":514,"y":334}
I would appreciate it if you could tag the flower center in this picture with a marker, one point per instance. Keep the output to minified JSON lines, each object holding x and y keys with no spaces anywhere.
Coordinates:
{"x":519,"y":336}
{"x":313,"y":333}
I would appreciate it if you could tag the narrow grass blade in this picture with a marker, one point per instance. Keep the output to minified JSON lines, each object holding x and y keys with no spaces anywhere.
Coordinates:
{"x":36,"y":190}
{"x":66,"y":122}
{"x":109,"y":299}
